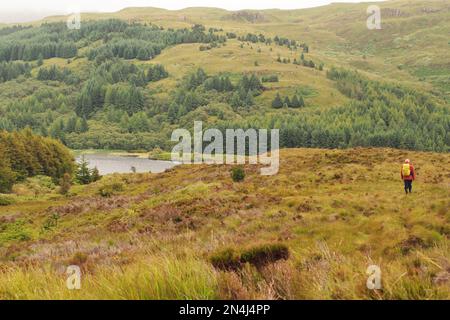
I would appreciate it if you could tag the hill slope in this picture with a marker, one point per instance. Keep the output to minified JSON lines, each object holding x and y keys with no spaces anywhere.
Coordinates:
{"x":412,"y":44}
{"x":128,"y":83}
{"x":152,"y":235}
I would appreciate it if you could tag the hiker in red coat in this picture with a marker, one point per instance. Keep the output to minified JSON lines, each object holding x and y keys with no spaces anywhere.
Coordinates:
{"x":408,"y":175}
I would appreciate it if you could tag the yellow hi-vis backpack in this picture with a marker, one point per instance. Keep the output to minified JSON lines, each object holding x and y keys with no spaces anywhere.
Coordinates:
{"x":406,"y":170}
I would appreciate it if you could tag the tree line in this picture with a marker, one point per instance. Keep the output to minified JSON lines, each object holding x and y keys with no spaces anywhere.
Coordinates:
{"x":144,"y":43}
{"x":120,"y":39}
{"x":23,"y":154}
{"x":29,"y":50}
{"x":117,"y":83}
{"x":110,"y":108}
{"x":380,"y":114}
{"x":56,"y":73}
{"x":301,"y":62}
{"x":12,"y":70}
{"x":194,"y":92}
{"x":261,"y":38}
{"x":295,"y":102}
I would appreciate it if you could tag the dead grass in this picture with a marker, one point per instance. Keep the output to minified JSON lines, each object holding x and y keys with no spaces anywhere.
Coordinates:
{"x":337,"y":212}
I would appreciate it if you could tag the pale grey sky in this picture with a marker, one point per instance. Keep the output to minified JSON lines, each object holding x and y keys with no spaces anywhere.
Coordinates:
{"x":27,"y":10}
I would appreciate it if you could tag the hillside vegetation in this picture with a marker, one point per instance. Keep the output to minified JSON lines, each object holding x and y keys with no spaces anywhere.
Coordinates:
{"x":309,"y":232}
{"x":23,"y":155}
{"x":412,"y":44}
{"x":126,"y":80}
{"x":350,"y":103}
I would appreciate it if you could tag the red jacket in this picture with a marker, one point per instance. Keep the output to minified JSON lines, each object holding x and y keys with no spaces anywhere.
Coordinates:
{"x":412,"y":176}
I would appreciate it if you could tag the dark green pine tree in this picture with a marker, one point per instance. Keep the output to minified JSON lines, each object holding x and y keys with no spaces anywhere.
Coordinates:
{"x":301,"y":101}
{"x":71,"y":124}
{"x":296,"y":103}
{"x":95,"y":175}
{"x":83,"y":174}
{"x":287,"y":102}
{"x":143,"y":54}
{"x":40,"y":61}
{"x":172,"y":112}
{"x":236,"y":100}
{"x":82,"y":125}
{"x":249,"y":99}
{"x":277,"y":103}
{"x":227,"y":85}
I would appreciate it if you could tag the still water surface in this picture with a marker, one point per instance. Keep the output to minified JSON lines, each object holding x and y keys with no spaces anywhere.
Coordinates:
{"x":107,"y":164}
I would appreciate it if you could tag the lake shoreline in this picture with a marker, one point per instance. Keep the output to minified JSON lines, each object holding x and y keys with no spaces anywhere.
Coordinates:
{"x":110,"y":162}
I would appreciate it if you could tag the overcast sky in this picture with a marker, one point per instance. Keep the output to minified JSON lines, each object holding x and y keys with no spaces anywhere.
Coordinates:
{"x":27,"y":10}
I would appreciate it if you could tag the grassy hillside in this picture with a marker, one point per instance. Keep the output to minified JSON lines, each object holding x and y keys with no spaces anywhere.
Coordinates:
{"x":126,"y":80}
{"x":156,"y":235}
{"x":93,"y":88}
{"x":412,"y":44}
{"x":107,"y":87}
{"x":181,"y":60}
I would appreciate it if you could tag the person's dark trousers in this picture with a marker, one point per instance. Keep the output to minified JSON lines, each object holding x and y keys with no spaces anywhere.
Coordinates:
{"x":408,"y":186}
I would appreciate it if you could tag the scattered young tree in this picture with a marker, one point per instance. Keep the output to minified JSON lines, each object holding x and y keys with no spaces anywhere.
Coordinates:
{"x":238,"y":174}
{"x":270,"y":78}
{"x":95,"y":175}
{"x":65,"y":184}
{"x":297,"y":102}
{"x":277,"y":103}
{"x":83,"y":174}
{"x":12,"y":70}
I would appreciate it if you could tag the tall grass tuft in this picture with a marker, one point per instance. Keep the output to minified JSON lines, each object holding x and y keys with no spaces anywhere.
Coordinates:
{"x":162,"y":277}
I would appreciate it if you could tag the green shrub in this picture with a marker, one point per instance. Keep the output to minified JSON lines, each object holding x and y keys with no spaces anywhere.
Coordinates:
{"x":156,"y":153}
{"x":23,"y":154}
{"x":7,"y":177}
{"x":15,"y":231}
{"x":84,"y":175}
{"x":65,"y":183}
{"x":270,"y":78}
{"x":40,"y":183}
{"x":6,"y":201}
{"x":95,"y":175}
{"x":37,"y":185}
{"x":238,"y":174}
{"x":107,"y":190}
{"x":51,"y":222}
